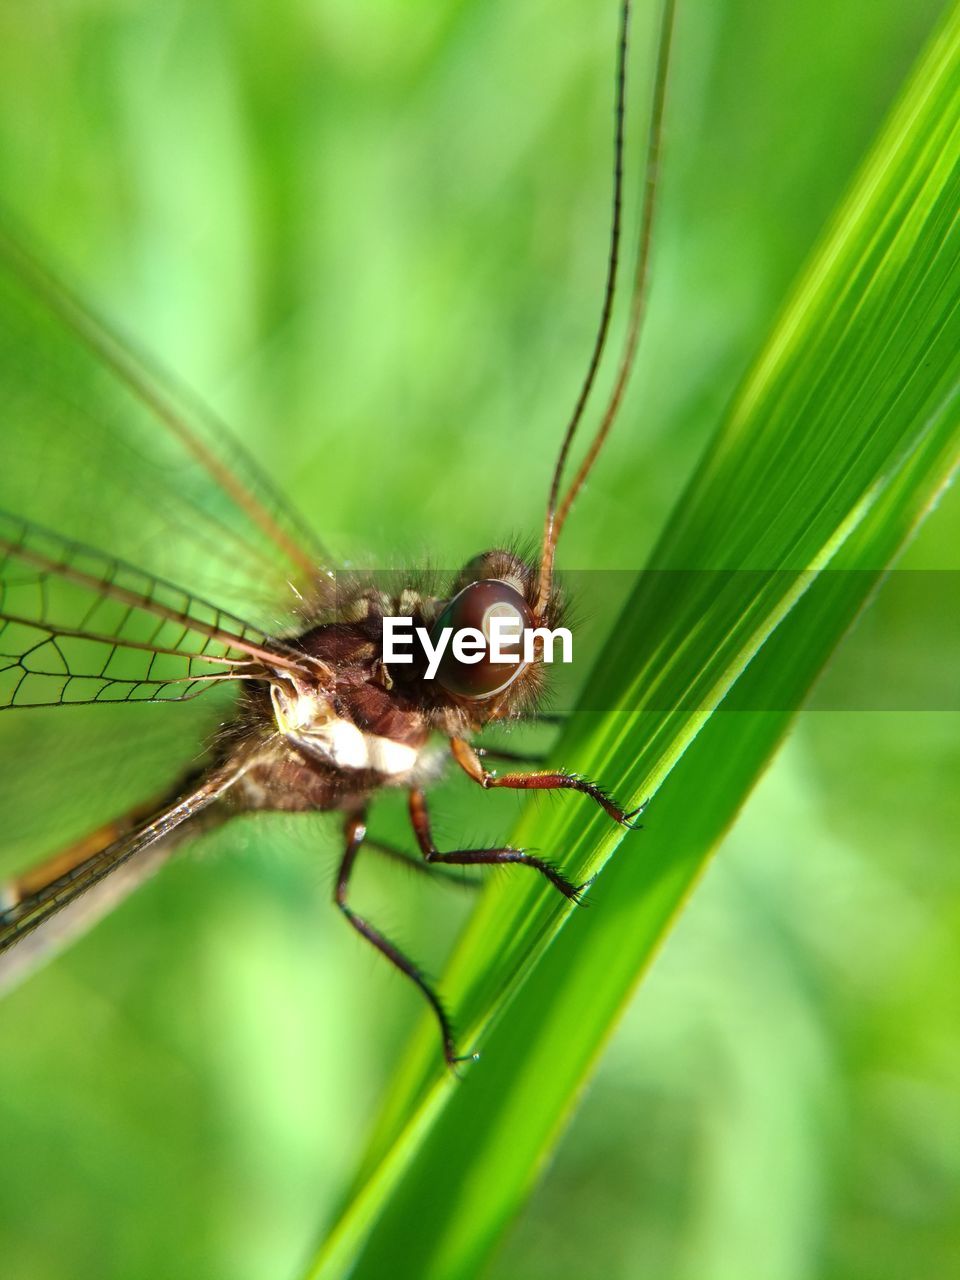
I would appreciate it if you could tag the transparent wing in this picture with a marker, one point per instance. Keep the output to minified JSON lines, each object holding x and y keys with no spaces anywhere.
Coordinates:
{"x":29,"y":949}
{"x":42,"y":910}
{"x":100,"y":446}
{"x":79,"y":627}
{"x":65,"y":773}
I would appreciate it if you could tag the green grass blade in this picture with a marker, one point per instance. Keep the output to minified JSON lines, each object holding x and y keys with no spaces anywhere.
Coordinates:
{"x":836,"y":443}
{"x":491,"y":1139}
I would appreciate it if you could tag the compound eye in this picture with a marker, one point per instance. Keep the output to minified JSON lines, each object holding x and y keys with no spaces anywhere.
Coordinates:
{"x":475,"y":609}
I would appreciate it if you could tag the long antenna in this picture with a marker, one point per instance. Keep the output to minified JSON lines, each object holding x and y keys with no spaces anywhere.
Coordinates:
{"x":613,"y":260}
{"x":556,"y":515}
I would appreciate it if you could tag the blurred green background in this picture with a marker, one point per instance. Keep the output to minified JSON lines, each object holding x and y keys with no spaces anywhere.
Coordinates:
{"x":373,"y":232}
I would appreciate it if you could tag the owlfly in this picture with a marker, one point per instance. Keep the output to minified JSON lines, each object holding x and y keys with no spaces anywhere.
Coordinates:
{"x":315,"y":719}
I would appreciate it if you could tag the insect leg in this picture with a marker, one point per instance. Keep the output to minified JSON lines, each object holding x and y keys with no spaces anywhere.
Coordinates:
{"x":355,"y":830}
{"x":420,"y":819}
{"x":433,"y":872}
{"x":470,"y":763}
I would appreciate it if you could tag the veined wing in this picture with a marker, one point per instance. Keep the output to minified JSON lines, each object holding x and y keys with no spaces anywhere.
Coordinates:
{"x":96,"y":447}
{"x":79,"y":627}
{"x":103,"y":447}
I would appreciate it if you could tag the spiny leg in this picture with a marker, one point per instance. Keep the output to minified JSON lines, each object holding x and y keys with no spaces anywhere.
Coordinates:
{"x":414,"y":863}
{"x":355,"y":830}
{"x":420,"y":820}
{"x":468,"y":760}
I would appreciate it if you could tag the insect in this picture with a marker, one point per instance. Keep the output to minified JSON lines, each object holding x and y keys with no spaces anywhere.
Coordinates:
{"x":319,"y":721}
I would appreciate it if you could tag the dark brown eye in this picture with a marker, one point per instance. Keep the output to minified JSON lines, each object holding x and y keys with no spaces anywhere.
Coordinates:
{"x":475,"y":609}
